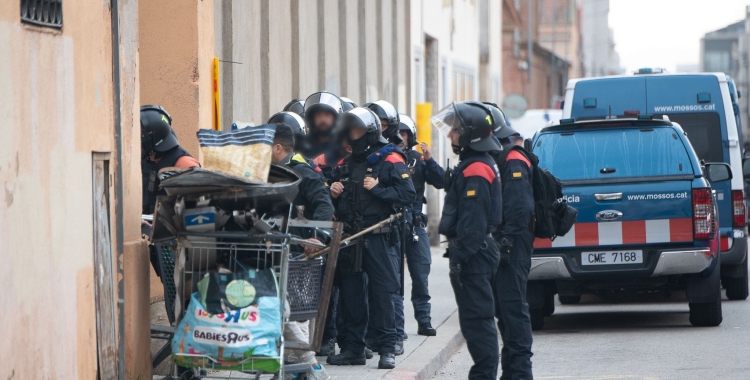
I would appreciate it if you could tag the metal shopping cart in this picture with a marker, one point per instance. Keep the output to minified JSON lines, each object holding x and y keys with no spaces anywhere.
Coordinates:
{"x":302,"y":287}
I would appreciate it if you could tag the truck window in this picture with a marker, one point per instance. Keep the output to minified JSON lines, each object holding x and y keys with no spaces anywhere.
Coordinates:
{"x":704,"y":132}
{"x":592,"y":154}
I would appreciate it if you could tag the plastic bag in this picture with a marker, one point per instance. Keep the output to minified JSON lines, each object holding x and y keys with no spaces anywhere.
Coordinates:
{"x":243,"y":153}
{"x":244,"y":339}
{"x":224,"y":292}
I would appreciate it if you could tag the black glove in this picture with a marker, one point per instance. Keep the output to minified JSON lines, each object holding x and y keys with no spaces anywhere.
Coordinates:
{"x":505,"y":247}
{"x":455,"y":266}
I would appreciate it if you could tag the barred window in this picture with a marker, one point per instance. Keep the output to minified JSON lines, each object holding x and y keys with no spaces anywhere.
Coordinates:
{"x":42,"y":12}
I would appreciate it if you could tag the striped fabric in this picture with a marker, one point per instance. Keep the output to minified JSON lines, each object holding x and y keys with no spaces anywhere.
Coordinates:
{"x":242,"y":137}
{"x":627,"y":232}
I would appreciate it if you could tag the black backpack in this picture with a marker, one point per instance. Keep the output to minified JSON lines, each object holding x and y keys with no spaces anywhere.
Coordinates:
{"x":553,"y":216}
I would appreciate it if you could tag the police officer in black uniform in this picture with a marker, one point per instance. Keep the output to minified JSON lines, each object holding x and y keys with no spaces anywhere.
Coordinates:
{"x":516,"y":241}
{"x":369,"y":184}
{"x":423,"y":170}
{"x":159,"y":149}
{"x":321,"y":111}
{"x":297,"y":106}
{"x":472,"y":210}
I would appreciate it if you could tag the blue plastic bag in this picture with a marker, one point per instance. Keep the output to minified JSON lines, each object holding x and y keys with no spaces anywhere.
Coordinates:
{"x":229,"y":340}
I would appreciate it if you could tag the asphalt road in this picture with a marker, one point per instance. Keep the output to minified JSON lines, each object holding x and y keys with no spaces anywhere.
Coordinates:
{"x":647,"y":337}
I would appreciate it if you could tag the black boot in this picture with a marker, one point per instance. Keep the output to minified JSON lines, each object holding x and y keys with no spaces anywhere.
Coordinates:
{"x":399,"y":348}
{"x":368,"y":353}
{"x":387,"y":361}
{"x":347,"y":358}
{"x":327,"y":348}
{"x":426,"y":329}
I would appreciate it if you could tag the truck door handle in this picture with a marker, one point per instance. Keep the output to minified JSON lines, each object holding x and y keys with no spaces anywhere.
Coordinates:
{"x":608,"y":197}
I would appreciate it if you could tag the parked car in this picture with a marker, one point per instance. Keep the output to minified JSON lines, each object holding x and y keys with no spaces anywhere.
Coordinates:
{"x":647,"y":216}
{"x":705,"y":105}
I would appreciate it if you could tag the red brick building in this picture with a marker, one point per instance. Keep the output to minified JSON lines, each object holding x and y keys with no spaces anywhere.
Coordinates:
{"x":542,"y":84}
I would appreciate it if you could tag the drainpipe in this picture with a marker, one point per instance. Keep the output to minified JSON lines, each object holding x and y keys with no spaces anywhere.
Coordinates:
{"x":119,"y":208}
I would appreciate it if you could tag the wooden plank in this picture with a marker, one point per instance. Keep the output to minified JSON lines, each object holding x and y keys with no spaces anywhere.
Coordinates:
{"x":104,"y":292}
{"x":325,"y":291}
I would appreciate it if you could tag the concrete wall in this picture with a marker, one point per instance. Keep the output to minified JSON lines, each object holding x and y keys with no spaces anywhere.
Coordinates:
{"x":286,"y":49}
{"x":176,"y":60}
{"x":56,"y":108}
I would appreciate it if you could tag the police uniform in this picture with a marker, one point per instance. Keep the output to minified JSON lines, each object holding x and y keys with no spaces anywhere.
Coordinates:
{"x":511,"y":308}
{"x":313,"y":193}
{"x":471,"y":211}
{"x":380,"y":270}
{"x":150,"y":175}
{"x":418,"y":257}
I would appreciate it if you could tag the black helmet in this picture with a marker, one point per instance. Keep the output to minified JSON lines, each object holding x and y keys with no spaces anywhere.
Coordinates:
{"x":321,"y":101}
{"x":363,"y":118}
{"x":386,"y":111}
{"x":348,"y":103}
{"x":502,"y":129}
{"x":473,"y":121}
{"x":297,"y":106}
{"x":156,"y":130}
{"x":407,"y":124}
{"x":292,"y":119}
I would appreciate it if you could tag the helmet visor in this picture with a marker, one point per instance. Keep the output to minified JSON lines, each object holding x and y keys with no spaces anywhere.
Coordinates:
{"x":324,"y":98}
{"x":447,"y":120}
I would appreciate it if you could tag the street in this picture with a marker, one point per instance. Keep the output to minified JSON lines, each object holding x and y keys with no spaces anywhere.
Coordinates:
{"x":646,"y":337}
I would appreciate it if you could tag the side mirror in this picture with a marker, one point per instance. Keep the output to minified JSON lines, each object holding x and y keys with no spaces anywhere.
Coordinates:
{"x":746,"y":169}
{"x":718,"y":171}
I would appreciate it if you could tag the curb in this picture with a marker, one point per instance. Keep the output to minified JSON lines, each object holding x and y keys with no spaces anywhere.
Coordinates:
{"x":424,"y":362}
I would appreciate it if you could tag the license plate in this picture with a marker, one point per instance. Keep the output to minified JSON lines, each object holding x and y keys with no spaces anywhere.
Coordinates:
{"x":612,"y":257}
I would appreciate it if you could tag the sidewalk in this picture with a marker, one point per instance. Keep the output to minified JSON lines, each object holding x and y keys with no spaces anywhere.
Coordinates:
{"x":423,"y":356}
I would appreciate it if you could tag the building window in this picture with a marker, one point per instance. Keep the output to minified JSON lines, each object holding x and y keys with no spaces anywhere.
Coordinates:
{"x":42,"y":12}
{"x":717,"y":61}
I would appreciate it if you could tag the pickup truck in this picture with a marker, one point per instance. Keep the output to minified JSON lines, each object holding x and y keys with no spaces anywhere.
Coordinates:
{"x":647,"y":216}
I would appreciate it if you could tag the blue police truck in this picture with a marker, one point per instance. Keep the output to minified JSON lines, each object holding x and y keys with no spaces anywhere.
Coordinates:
{"x":647,"y":216}
{"x":705,"y":105}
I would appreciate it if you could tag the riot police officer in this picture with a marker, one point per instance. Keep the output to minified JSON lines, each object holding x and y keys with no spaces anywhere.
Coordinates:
{"x":516,"y":240}
{"x":159,"y":149}
{"x":321,"y":111}
{"x":389,"y":121}
{"x":423,"y":169}
{"x":347,"y":103}
{"x":297,"y":106}
{"x":471,"y":212}
{"x":369,"y":184}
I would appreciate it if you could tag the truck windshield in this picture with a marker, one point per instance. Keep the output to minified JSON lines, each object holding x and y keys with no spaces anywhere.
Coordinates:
{"x":593,"y":154}
{"x":704,"y":132}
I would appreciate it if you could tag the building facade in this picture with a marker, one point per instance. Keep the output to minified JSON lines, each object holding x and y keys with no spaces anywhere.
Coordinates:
{"x":560,"y":33}
{"x":599,"y":55}
{"x":74,"y":268}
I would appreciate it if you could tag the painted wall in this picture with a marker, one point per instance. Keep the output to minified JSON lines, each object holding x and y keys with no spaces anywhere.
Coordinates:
{"x":285,"y":49}
{"x":56,"y":108}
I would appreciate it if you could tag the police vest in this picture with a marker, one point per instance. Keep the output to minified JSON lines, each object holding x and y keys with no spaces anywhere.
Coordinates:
{"x":356,"y":202}
{"x":495,"y":216}
{"x":150,"y":177}
{"x":415,"y":163}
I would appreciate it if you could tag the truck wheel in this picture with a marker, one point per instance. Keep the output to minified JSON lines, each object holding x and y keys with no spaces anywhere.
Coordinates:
{"x":737,"y":288}
{"x":549,"y":304}
{"x":569,"y":300}
{"x":705,"y":313}
{"x":537,"y":319}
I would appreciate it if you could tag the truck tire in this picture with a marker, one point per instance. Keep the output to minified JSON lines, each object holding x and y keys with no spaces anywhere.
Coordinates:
{"x":549,"y":304}
{"x":569,"y":300}
{"x":705,"y":313}
{"x":537,"y":319}
{"x":737,"y":288}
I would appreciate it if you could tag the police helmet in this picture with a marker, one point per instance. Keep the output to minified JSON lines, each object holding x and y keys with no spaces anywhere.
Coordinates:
{"x":407,"y":124}
{"x":291,"y":119}
{"x":297,"y":106}
{"x":474,"y":123}
{"x":321,"y":101}
{"x":386,"y":111}
{"x":156,"y":130}
{"x":501,"y":129}
{"x":364,"y":118}
{"x":347,"y":103}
